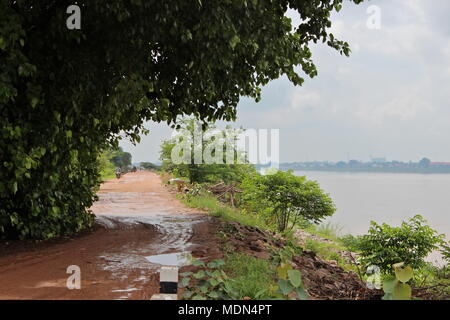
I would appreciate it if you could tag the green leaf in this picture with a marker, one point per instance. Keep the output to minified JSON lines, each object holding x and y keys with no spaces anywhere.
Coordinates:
{"x":404,"y":274}
{"x":234,"y":41}
{"x":295,"y":278}
{"x":301,"y":293}
{"x":200,"y":274}
{"x":165,"y":102}
{"x":387,"y":296}
{"x":215,"y":264}
{"x":285,"y":286}
{"x":184,"y":282}
{"x":198,"y":263}
{"x":14,"y":187}
{"x":214,"y":282}
{"x":282,"y":270}
{"x":389,"y":284}
{"x":34,"y":102}
{"x":402,"y":291}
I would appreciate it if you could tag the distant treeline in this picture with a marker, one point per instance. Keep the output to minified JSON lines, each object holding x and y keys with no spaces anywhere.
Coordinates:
{"x":367,"y":169}
{"x":425,"y":165}
{"x":149,"y":166}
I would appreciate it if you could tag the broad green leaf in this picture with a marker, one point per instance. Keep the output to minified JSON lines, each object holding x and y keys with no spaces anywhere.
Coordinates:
{"x":282,"y":270}
{"x":402,"y":291}
{"x":198,"y":263}
{"x":285,"y":286}
{"x":295,"y":278}
{"x":387,"y":296}
{"x":389,"y":284}
{"x":404,"y":274}
{"x":301,"y":293}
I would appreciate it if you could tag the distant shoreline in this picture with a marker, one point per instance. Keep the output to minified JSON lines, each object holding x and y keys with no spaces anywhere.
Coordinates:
{"x":374,"y":170}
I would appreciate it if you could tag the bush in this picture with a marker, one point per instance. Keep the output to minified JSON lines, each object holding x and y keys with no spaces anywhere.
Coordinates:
{"x":410,"y":243}
{"x":350,"y":241}
{"x":286,"y":198}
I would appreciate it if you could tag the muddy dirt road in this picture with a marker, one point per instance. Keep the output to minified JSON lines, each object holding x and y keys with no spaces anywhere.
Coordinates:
{"x":138,"y":219}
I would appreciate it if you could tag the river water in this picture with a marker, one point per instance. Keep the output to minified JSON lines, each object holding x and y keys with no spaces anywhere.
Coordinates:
{"x":385,"y":197}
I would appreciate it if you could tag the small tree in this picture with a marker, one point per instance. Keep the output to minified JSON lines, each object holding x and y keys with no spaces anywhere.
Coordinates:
{"x":410,"y":243}
{"x":204,"y":172}
{"x":287,"y":198}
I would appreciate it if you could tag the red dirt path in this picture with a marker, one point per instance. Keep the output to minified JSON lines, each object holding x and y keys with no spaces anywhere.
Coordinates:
{"x":136,"y":217}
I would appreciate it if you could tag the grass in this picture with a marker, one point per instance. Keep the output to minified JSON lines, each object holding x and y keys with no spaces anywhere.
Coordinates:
{"x":217,"y":209}
{"x":252,"y":277}
{"x":327,"y":230}
{"x":328,"y":251}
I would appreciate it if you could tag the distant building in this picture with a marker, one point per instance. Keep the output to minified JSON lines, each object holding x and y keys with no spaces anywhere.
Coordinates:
{"x":378,"y":160}
{"x":440,"y":164}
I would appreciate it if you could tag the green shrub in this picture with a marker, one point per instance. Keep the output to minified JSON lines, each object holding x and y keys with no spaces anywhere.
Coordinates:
{"x":445,"y":251}
{"x":286,"y":198}
{"x":350,"y":241}
{"x":410,"y":243}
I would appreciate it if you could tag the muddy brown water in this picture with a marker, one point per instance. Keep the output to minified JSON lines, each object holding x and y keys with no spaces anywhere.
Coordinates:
{"x":140,"y":226}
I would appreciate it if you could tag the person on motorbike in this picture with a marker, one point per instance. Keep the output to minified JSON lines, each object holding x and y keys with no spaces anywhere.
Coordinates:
{"x":118,"y":172}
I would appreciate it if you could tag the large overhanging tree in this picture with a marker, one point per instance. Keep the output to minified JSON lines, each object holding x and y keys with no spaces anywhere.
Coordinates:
{"x":65,"y":94}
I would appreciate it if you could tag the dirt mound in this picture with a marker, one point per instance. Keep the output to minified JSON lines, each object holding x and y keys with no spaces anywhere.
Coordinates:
{"x":322,"y":279}
{"x":250,"y":240}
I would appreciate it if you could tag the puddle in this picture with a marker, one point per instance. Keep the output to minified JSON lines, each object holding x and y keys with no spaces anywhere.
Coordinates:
{"x":127,"y":290}
{"x":171,"y":259}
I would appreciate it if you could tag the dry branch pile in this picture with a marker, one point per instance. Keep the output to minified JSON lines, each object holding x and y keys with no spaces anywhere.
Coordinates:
{"x":225,"y":192}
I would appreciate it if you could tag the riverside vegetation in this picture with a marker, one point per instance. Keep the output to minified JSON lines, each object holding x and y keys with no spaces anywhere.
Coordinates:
{"x":286,"y":205}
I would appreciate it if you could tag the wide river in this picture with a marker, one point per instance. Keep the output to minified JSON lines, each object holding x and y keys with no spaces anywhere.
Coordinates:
{"x":385,"y":197}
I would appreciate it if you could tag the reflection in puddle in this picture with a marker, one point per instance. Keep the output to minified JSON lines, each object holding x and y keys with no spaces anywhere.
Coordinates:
{"x":127,"y":290}
{"x":171,"y":259}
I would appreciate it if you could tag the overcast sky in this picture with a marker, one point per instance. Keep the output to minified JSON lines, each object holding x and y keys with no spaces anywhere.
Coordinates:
{"x":389,"y":99}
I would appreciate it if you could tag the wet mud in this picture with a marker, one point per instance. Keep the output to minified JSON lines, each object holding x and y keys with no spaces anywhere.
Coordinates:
{"x":140,"y":226}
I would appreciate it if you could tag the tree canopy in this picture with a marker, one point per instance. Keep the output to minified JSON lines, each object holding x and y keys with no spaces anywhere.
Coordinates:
{"x":66,"y":94}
